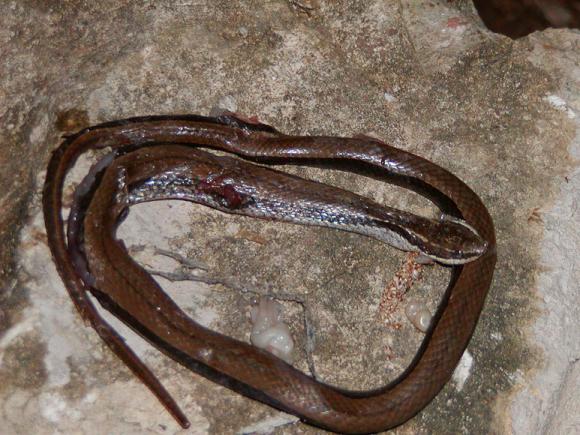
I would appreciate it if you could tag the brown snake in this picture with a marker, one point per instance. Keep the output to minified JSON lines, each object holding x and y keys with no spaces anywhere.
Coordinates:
{"x":93,"y":260}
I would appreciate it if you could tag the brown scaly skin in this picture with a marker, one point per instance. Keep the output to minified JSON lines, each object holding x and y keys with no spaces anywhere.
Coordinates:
{"x":130,"y":293}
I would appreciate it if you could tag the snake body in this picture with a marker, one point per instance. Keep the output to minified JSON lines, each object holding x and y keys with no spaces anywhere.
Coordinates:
{"x":92,"y":260}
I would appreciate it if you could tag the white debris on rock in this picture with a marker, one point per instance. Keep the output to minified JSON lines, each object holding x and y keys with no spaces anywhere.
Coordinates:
{"x":269,"y":332}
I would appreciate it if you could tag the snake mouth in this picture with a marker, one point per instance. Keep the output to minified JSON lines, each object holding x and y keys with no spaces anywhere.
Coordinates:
{"x":457,"y":258}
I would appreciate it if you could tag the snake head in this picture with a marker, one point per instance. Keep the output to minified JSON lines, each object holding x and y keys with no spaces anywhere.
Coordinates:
{"x":450,"y":241}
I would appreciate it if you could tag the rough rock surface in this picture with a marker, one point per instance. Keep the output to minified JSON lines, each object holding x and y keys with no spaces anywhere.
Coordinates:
{"x":424,"y":76}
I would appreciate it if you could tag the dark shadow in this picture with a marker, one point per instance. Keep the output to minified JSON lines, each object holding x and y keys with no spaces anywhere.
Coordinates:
{"x":517,"y":18}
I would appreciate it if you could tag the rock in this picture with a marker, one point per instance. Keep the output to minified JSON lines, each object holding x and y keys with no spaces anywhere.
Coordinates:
{"x":427,"y":77}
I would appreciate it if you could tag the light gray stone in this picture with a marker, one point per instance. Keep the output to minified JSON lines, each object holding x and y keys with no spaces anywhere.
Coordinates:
{"x":427,"y":77}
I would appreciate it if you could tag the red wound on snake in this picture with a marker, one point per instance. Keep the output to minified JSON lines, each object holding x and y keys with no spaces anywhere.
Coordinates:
{"x":225,"y":192}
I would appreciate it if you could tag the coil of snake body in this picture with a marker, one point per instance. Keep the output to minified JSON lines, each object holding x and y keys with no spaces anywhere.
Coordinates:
{"x":159,"y":157}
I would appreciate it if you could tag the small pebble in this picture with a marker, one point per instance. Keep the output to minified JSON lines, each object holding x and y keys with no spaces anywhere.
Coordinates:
{"x":419,"y":315}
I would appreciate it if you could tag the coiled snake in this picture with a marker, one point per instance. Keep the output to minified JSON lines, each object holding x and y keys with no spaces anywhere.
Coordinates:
{"x":159,"y":157}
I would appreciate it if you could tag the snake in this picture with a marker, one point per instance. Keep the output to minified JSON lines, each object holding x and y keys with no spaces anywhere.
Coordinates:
{"x":166,"y":157}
